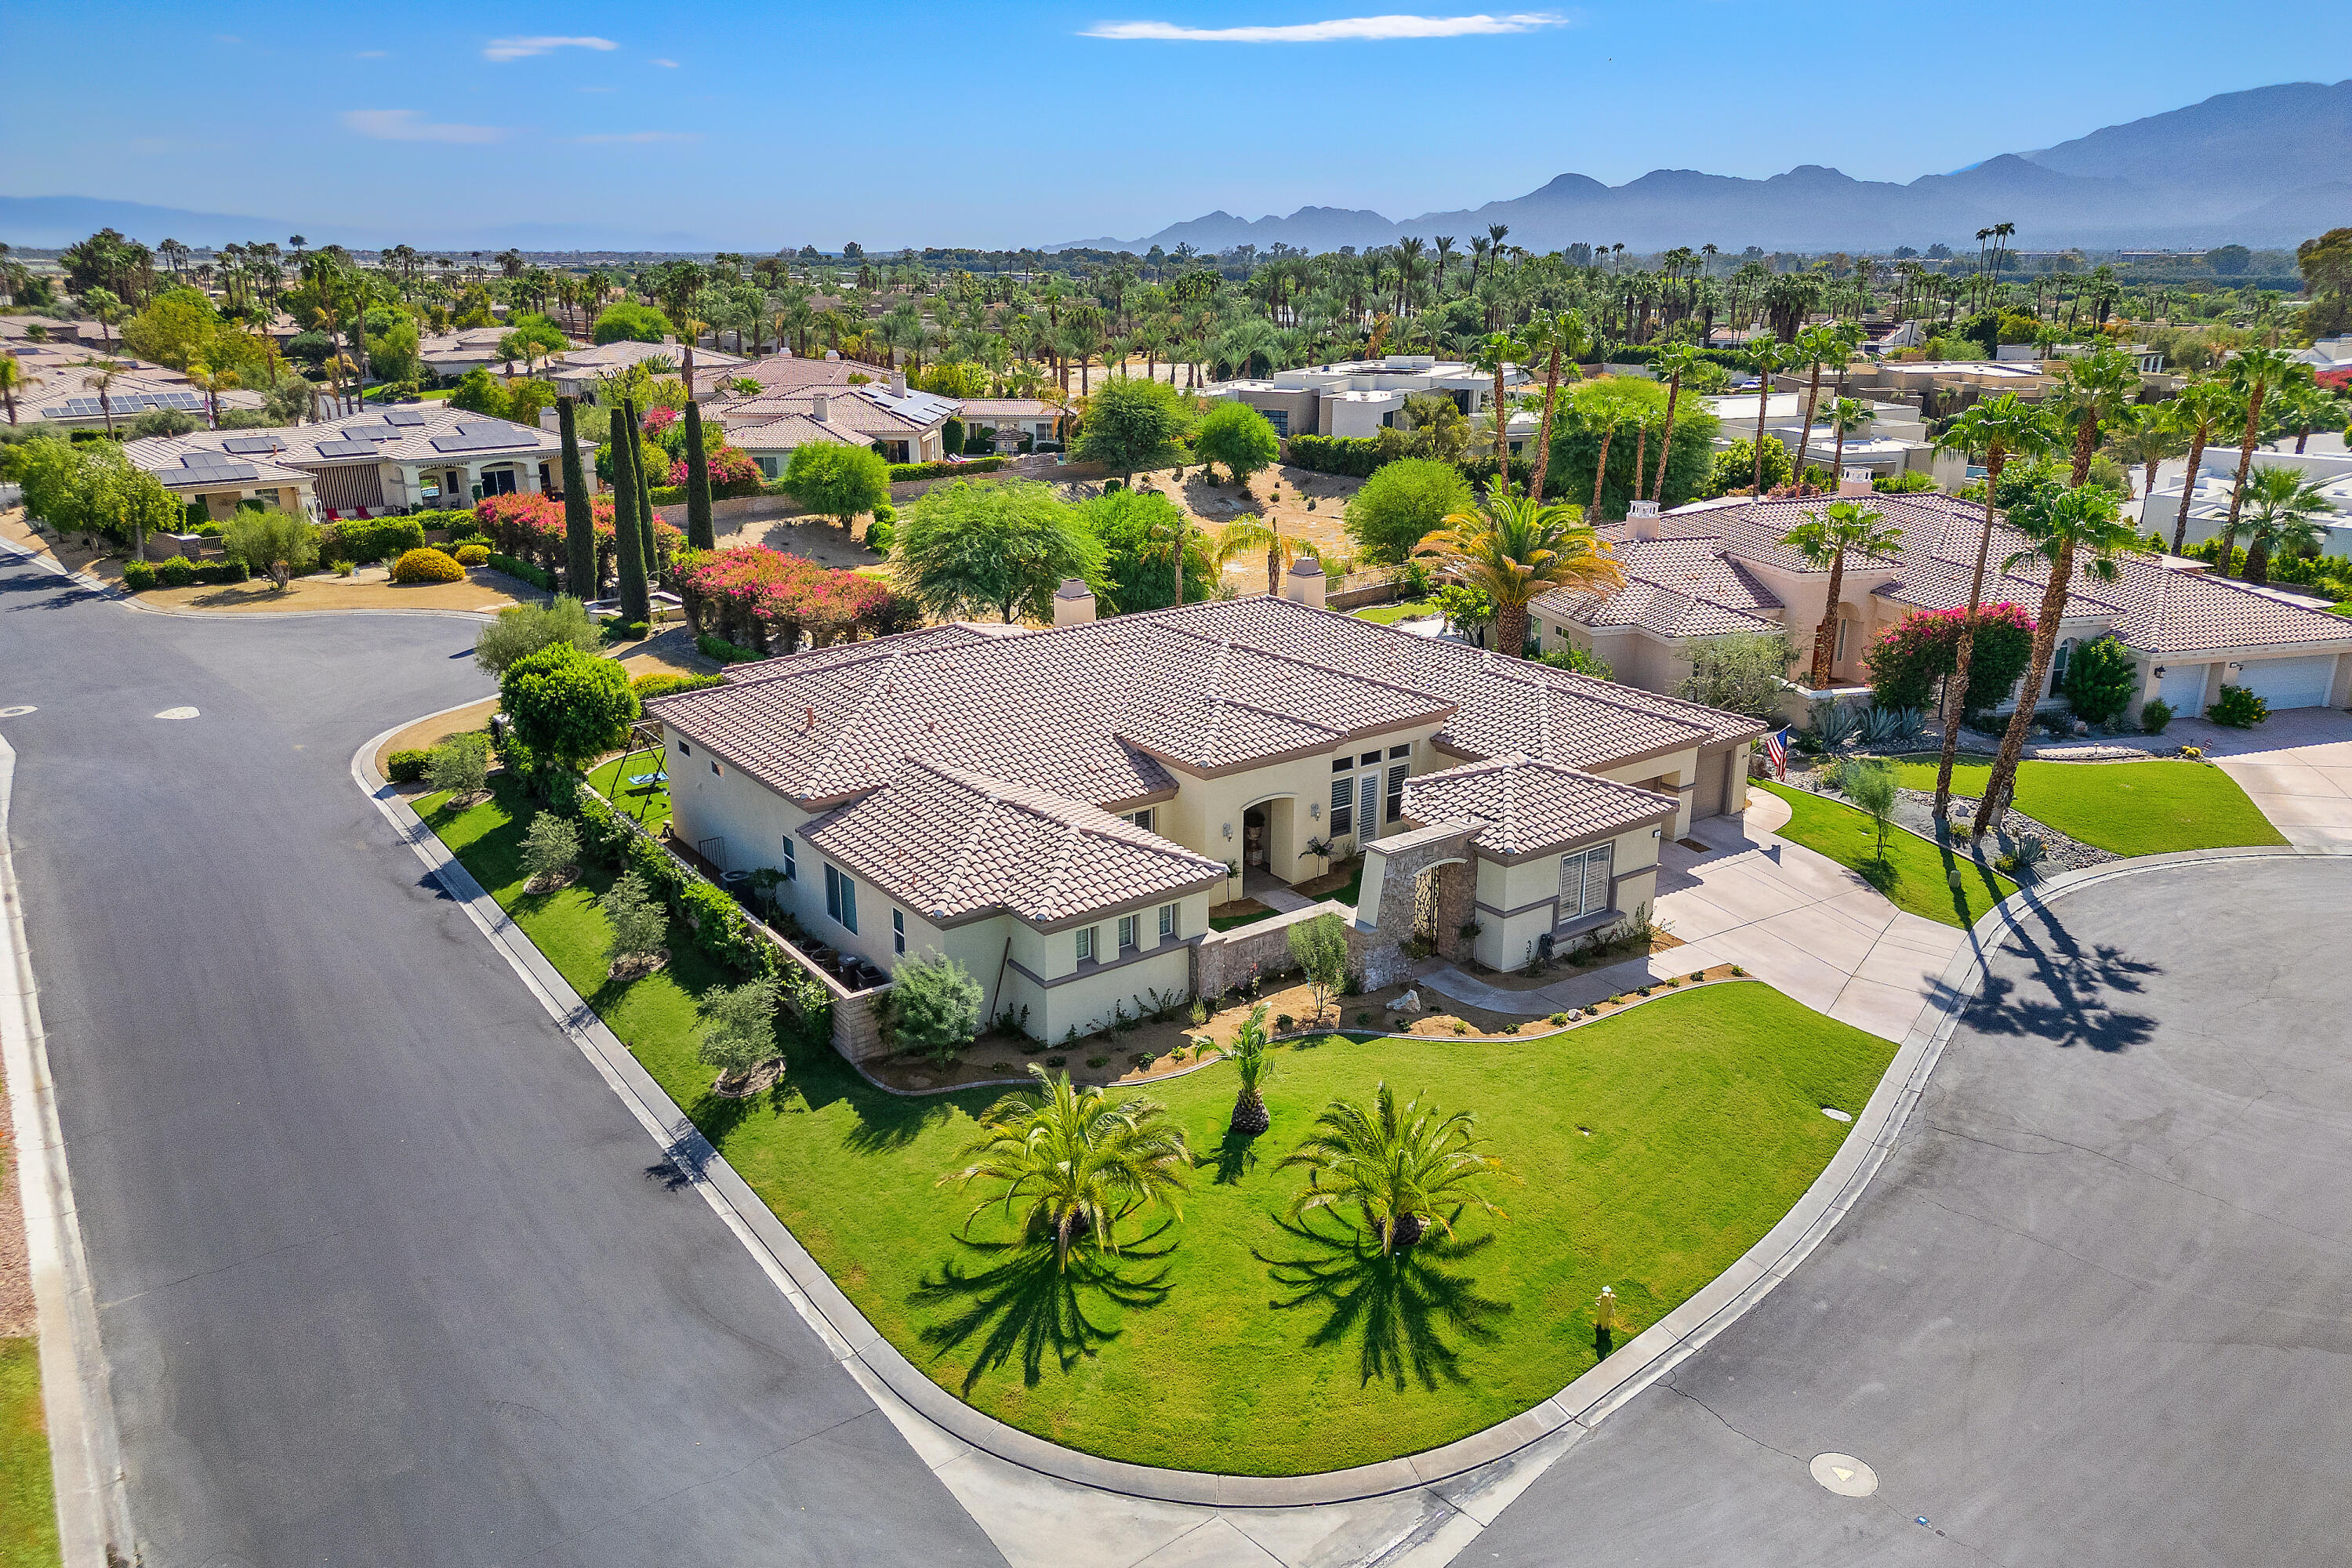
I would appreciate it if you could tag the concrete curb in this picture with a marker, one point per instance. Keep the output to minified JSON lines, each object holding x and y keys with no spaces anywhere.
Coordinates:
{"x":1578,"y":1407}
{"x":85,"y":1446}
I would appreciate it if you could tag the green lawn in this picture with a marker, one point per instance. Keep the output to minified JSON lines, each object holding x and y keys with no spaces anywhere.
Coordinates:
{"x":646,"y":803}
{"x":1402,"y":610}
{"x":2130,"y":808}
{"x":28,"y":1508}
{"x":1231,"y":1340}
{"x":1915,"y":874}
{"x":1227,"y":922}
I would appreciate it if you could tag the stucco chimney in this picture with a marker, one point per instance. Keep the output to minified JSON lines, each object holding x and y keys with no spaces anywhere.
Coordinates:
{"x":1855,"y":482}
{"x":1642,"y":521}
{"x":1303,"y":584}
{"x":819,"y":403}
{"x":898,"y":384}
{"x":1074,"y":603}
{"x":832,"y":353}
{"x":669,"y":340}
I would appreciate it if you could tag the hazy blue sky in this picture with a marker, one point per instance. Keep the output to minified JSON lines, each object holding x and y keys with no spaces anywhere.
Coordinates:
{"x":751,"y":125}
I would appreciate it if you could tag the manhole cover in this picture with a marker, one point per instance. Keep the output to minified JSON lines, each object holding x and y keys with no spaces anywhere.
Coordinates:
{"x":1844,"y":1475}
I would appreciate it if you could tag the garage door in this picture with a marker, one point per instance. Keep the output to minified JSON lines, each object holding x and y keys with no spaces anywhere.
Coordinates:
{"x":2290,"y":682}
{"x":2183,"y":688}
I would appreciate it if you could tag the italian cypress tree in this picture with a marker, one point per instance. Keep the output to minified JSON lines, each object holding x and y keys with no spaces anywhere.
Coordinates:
{"x":579,"y":515}
{"x":651,"y":552}
{"x":627,"y":532}
{"x":698,"y":535}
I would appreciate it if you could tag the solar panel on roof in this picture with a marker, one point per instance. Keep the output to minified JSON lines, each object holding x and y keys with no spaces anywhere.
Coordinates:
{"x":483,"y":426}
{"x":369,"y":433}
{"x":481,"y":438}
{"x":251,"y":444}
{"x":221,"y":472}
{"x":407,"y":418}
{"x":347,"y":449}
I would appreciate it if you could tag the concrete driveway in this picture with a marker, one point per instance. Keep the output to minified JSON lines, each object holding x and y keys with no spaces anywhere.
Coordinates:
{"x":2297,"y":767}
{"x":1794,"y":919}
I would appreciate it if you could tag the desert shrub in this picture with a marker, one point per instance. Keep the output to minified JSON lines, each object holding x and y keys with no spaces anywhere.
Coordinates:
{"x":662,"y":683}
{"x":215,"y":572}
{"x":460,"y":764}
{"x":138,"y":576}
{"x":179,"y":572}
{"x":426,"y":565}
{"x":377,"y":539}
{"x":2154,"y":715}
{"x":2100,"y":680}
{"x":2238,"y":708}
{"x":934,"y":1005}
{"x":723,"y":651}
{"x":473,"y":556}
{"x":526,"y":628}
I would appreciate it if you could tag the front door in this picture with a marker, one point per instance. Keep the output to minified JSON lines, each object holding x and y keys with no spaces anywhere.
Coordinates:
{"x":498,"y":481}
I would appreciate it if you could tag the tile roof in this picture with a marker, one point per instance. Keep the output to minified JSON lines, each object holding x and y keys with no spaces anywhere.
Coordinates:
{"x":2154,"y":608}
{"x":403,"y":432}
{"x":954,"y":843}
{"x":1007,"y":408}
{"x":1523,"y":806}
{"x":1674,"y":587}
{"x":611,"y":356}
{"x":864,"y":410}
{"x":792,"y":430}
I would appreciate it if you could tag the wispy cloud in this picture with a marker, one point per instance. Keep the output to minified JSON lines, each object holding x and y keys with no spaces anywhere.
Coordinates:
{"x":642,"y":136}
{"x":522,"y":49}
{"x":1343,"y":28}
{"x":407,"y":125}
{"x":671,"y":65}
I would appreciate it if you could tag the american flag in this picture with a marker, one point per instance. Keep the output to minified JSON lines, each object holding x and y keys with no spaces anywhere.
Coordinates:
{"x":1776,"y":752}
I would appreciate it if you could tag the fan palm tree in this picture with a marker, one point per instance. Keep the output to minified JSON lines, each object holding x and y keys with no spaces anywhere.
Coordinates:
{"x":1172,"y":542}
{"x":1769,"y":356}
{"x":103,"y":373}
{"x":1251,"y":1062}
{"x":1262,"y":533}
{"x":1996,"y":430}
{"x":2254,"y":375}
{"x":1401,"y":1169}
{"x":2198,"y":408}
{"x":2286,"y":509}
{"x":12,"y":381}
{"x":1674,"y":361}
{"x":212,"y":384}
{"x":1495,"y":354}
{"x":1552,"y":335}
{"x":2142,"y":437}
{"x":1517,"y":549}
{"x":2310,"y":406}
{"x":2066,"y":529}
{"x":1071,"y":1163}
{"x":1845,"y":416}
{"x":1824,"y":542}
{"x":1815,"y":347}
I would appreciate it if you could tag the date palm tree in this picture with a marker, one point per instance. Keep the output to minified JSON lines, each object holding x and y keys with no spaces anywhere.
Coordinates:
{"x":2254,"y":375}
{"x":1254,"y":1067}
{"x":1996,"y":430}
{"x":2198,"y":408}
{"x":1253,"y":533}
{"x":1845,"y":417}
{"x":1815,"y":347}
{"x":1674,"y":361}
{"x":1769,"y":356}
{"x":1517,"y":549}
{"x":1072,"y":1165}
{"x":2285,"y":510}
{"x":2092,"y":391}
{"x":2142,"y":437}
{"x":1401,"y":1168}
{"x":103,"y":373}
{"x":1495,"y":354}
{"x":2064,"y":529}
{"x":1824,"y":541}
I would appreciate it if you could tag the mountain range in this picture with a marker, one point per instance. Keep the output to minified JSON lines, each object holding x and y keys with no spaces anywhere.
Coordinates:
{"x":2264,"y":167}
{"x":48,"y":222}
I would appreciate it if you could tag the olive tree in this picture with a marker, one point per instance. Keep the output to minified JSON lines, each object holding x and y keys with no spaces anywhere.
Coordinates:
{"x":737,"y":1033}
{"x":638,"y":923}
{"x":527,"y":628}
{"x":272,"y":543}
{"x":1320,"y":948}
{"x":934,"y":1005}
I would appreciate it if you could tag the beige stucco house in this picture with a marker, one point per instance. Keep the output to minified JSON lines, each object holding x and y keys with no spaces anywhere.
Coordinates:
{"x":1059,"y":809}
{"x":1717,"y":567}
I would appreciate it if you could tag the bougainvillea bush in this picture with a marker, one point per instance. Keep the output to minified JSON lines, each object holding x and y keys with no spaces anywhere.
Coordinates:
{"x":764,"y":599}
{"x":1909,"y":662}
{"x":732,"y":472}
{"x":530,"y":528}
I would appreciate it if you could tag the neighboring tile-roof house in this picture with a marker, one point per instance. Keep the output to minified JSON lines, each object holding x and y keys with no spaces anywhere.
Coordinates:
{"x":402,"y":433}
{"x":955,"y":845}
{"x":792,"y":430}
{"x":602,"y":358}
{"x":1524,"y":806}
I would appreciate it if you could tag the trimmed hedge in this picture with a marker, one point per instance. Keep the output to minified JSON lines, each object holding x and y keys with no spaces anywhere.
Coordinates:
{"x":407,"y":766}
{"x":179,"y":572}
{"x":473,"y":556}
{"x":901,"y":472}
{"x":537,"y":577}
{"x":662,"y":683}
{"x":375,"y":538}
{"x":720,"y":926}
{"x":1354,"y":456}
{"x":724,"y":652}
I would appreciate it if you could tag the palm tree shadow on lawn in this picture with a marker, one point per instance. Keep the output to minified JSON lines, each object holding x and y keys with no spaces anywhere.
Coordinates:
{"x":1019,"y":1302}
{"x":1400,"y":1308}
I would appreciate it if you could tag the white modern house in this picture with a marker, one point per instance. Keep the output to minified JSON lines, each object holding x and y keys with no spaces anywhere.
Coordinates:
{"x":2217,"y":481}
{"x":1895,"y":440}
{"x":1359,"y":397}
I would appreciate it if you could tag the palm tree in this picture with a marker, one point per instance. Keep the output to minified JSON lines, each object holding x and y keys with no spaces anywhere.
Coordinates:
{"x":102,"y":376}
{"x":12,"y":380}
{"x":2142,"y":437}
{"x":1845,"y":417}
{"x":2092,"y":391}
{"x":1676,"y":361}
{"x":1815,"y":347}
{"x":2198,"y":408}
{"x":1517,"y":549}
{"x":2254,"y":375}
{"x":2286,"y":513}
{"x":1495,"y":355}
{"x":1769,"y":356}
{"x":1996,"y":428}
{"x":1074,"y":1165}
{"x":1824,"y":541}
{"x":1172,"y":542}
{"x":1400,"y":1169}
{"x":1553,"y":334}
{"x":2312,"y":406}
{"x":1254,"y":533}
{"x":2077,"y":526}
{"x":212,"y":384}
{"x":1253,"y":1064}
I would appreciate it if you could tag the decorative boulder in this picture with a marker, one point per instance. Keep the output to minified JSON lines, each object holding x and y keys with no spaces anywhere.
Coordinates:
{"x":1407,"y":1003}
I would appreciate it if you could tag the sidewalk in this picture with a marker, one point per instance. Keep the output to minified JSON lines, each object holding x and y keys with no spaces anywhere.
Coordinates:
{"x":1795,"y":919}
{"x":2297,"y":767}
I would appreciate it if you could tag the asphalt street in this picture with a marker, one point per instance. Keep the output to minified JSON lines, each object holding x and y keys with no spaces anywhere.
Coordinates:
{"x":2092,"y":1310}
{"x":386,"y":1274}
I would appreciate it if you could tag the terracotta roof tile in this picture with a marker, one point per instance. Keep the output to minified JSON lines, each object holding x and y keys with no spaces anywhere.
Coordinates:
{"x":1523,"y":805}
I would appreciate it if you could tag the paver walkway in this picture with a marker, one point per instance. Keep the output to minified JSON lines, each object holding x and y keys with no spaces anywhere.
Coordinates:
{"x":1794,"y":919}
{"x":2297,"y":767}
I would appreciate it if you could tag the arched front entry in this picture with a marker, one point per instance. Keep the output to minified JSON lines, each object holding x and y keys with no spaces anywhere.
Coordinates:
{"x":1270,"y":839}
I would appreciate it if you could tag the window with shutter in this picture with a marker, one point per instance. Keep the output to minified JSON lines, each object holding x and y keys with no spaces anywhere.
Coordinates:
{"x":1368,"y":807}
{"x":1343,"y":817}
{"x":1596,"y":878}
